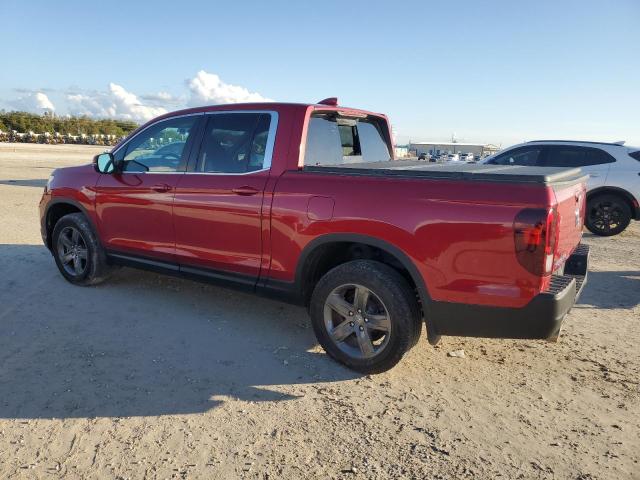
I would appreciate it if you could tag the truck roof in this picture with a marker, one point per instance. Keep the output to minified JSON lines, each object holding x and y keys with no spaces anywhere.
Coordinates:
{"x":277,"y":106}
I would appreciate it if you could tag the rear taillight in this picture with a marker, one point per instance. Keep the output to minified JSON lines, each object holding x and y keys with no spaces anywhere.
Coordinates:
{"x":536,"y":238}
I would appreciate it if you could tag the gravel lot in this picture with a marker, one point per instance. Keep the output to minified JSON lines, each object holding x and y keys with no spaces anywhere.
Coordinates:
{"x":155,"y":377}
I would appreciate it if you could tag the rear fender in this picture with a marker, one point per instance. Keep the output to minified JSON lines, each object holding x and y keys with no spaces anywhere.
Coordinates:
{"x":391,"y":249}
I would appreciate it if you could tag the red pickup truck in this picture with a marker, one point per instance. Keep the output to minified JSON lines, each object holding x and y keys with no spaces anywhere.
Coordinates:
{"x":306,"y":202}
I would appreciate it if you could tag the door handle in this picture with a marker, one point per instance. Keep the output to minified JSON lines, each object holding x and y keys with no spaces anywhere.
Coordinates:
{"x":594,"y":174}
{"x":246,"y":191}
{"x":161,"y":187}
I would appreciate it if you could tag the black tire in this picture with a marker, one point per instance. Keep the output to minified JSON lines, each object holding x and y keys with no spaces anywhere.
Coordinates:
{"x":392,"y":295}
{"x":93,"y":267}
{"x":607,"y":215}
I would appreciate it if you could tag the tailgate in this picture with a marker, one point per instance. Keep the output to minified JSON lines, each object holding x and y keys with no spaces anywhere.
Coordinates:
{"x":571,"y":201}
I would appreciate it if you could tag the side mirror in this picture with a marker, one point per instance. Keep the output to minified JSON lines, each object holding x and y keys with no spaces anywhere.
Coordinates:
{"x":104,"y":163}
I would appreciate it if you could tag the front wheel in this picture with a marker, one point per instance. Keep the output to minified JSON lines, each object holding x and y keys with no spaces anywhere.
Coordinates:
{"x":365,"y":315}
{"x":78,"y":254}
{"x":607,"y":215}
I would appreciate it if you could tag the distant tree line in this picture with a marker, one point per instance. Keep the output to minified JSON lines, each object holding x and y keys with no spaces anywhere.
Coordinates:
{"x":29,"y":127}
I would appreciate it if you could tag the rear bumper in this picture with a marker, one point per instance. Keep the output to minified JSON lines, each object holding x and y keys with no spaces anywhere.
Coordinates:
{"x":541,"y":318}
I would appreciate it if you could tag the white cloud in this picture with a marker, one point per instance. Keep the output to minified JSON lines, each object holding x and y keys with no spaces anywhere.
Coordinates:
{"x":42,"y":101}
{"x":127,"y":105}
{"x":35,"y":102}
{"x":207,"y":88}
{"x":163,"y":99}
{"x":114,"y":103}
{"x":167,"y":97}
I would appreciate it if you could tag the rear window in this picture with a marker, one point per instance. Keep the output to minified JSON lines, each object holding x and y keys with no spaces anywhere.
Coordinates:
{"x":595,"y":156}
{"x":565,"y":157}
{"x":570,"y":156}
{"x":334,"y":140}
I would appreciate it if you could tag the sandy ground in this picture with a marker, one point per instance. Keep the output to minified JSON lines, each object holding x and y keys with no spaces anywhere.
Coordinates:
{"x":155,"y":377}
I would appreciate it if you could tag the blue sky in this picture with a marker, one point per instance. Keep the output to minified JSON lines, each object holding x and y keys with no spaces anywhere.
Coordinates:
{"x":490,"y":71}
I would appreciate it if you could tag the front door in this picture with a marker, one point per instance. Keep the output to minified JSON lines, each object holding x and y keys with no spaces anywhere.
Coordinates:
{"x":218,"y":202}
{"x":135,"y":204}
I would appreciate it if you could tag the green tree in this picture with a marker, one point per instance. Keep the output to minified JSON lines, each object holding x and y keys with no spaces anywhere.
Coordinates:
{"x":24,"y":122}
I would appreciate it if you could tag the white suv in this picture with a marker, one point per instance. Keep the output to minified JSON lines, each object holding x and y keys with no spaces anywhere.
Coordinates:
{"x":613,"y":189}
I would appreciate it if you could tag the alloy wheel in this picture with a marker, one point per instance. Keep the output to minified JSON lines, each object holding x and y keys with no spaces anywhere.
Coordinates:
{"x":72,"y":251}
{"x":605,"y":216}
{"x":357,"y":321}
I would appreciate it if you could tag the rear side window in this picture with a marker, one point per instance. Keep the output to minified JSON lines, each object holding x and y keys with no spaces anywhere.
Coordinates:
{"x":527,"y":156}
{"x":234,"y":143}
{"x":561,"y":156}
{"x":332,"y":140}
{"x":595,"y":156}
{"x":635,"y":155}
{"x":565,"y":157}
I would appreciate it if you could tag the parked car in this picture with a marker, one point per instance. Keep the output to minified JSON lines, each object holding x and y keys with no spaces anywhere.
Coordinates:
{"x":467,"y":157}
{"x":425,"y":156}
{"x":306,"y":203}
{"x":613,"y":188}
{"x":452,"y":157}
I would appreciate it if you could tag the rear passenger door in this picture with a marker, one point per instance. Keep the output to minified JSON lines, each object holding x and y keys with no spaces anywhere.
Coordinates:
{"x":593,"y":161}
{"x":218,"y":201}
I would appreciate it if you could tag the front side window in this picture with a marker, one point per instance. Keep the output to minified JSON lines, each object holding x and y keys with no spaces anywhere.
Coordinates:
{"x":333,"y":140}
{"x":235,"y":143}
{"x":159,"y":148}
{"x":528,"y":156}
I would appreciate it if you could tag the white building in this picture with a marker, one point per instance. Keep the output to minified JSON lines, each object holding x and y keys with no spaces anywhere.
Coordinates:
{"x":401,"y":151}
{"x":437,"y":148}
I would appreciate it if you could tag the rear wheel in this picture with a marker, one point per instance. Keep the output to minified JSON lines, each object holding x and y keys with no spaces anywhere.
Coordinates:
{"x":78,"y":254}
{"x":365,"y":315}
{"x":607,"y":215}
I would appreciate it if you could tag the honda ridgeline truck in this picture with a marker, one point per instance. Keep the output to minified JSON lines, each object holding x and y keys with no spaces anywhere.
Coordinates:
{"x":306,"y":202}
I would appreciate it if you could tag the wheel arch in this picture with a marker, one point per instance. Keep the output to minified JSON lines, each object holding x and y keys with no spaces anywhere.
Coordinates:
{"x":58,"y":208}
{"x":315,"y":249}
{"x":621,"y":192}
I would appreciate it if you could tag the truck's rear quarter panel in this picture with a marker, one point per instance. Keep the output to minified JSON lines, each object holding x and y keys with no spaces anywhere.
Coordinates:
{"x":459,"y":234}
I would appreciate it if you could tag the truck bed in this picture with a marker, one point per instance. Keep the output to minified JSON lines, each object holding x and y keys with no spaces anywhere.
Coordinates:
{"x":551,"y":176}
